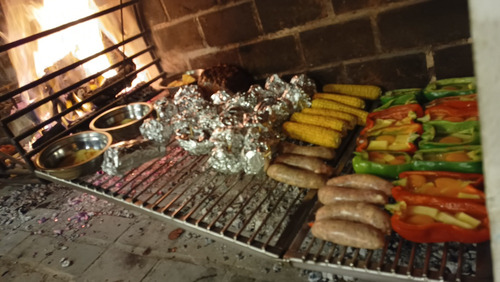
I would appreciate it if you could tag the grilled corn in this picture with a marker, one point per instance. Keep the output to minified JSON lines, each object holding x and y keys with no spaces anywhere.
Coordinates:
{"x":344,"y":99}
{"x":328,"y":122}
{"x":370,"y":92}
{"x":332,"y":105}
{"x":351,"y":119}
{"x":313,"y":134}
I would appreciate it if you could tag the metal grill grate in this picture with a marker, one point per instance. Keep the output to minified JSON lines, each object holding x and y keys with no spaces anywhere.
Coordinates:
{"x":271,"y":218}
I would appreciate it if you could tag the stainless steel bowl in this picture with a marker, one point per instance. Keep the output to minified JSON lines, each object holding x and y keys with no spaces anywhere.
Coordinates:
{"x":60,"y":158}
{"x":122,"y":122}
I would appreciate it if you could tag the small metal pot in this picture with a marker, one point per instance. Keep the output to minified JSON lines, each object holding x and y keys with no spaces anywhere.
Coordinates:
{"x":60,"y":157}
{"x":122,"y":122}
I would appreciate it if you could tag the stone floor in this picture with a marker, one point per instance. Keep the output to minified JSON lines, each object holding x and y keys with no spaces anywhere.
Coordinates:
{"x":51,"y":233}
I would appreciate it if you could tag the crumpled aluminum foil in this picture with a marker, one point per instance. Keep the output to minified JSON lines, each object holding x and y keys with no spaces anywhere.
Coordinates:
{"x":165,"y":109}
{"x":156,"y":130}
{"x":257,"y":151}
{"x":237,"y":130}
{"x":305,"y":83}
{"x":225,"y":156}
{"x":275,"y":84}
{"x":126,"y":155}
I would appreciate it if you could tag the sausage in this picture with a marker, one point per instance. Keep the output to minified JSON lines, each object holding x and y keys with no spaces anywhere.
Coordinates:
{"x":362,"y":181}
{"x":296,"y":176}
{"x":357,"y":212}
{"x":348,"y":233}
{"x":311,"y":151}
{"x":313,"y":164}
{"x":332,"y":194}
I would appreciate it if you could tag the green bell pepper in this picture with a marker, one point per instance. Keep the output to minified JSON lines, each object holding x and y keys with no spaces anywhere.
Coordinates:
{"x":383,"y":164}
{"x":399,"y":97}
{"x":441,"y":134}
{"x":450,"y":87}
{"x":466,"y":159}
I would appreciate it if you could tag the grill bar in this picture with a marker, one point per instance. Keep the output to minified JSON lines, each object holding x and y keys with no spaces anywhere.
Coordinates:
{"x":56,"y":95}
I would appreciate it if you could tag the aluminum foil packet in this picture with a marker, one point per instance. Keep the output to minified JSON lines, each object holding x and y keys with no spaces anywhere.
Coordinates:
{"x":124,"y":156}
{"x":228,"y":143}
{"x":305,"y":83}
{"x":257,"y":148}
{"x":195,"y":120}
{"x":165,"y":109}
{"x":156,"y":130}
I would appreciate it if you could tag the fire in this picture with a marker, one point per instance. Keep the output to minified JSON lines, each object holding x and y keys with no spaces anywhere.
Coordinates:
{"x":48,"y":54}
{"x":80,"y":41}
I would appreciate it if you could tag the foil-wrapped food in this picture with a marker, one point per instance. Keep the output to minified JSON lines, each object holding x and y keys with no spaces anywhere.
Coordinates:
{"x":126,"y":155}
{"x":237,"y":130}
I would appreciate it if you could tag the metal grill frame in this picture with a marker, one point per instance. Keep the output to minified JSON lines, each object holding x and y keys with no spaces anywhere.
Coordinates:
{"x":386,"y":266}
{"x":17,"y":139}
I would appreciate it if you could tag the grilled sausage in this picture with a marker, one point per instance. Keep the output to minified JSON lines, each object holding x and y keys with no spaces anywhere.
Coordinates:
{"x":357,"y":212}
{"x":348,"y":233}
{"x":296,"y":176}
{"x":313,"y":164}
{"x":311,"y":151}
{"x":361,"y":181}
{"x":332,"y":194}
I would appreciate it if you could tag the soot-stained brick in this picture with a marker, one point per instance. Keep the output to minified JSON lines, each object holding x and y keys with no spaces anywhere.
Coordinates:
{"x":431,"y":22}
{"x":338,"y":42}
{"x":280,"y":14}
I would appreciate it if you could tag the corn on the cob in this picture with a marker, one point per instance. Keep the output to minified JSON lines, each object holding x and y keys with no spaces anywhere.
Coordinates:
{"x":313,"y":134}
{"x":328,"y":122}
{"x":351,"y":119}
{"x":342,"y":98}
{"x":328,"y":104}
{"x":370,"y":92}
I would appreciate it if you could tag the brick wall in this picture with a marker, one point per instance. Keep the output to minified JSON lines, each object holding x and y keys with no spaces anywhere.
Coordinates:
{"x":394,"y":44}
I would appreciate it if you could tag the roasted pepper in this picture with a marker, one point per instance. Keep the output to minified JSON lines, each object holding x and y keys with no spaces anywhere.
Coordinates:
{"x":425,"y":224}
{"x":466,"y":159}
{"x":441,"y":133}
{"x":398,"y":112}
{"x":395,"y":138}
{"x":450,"y":87}
{"x":450,"y":99}
{"x":393,"y":116}
{"x":383,"y":164}
{"x":456,"y":111}
{"x":399,"y":97}
{"x":448,"y":191}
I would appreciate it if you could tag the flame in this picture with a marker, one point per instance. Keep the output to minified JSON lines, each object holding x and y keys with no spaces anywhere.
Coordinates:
{"x":41,"y":57}
{"x":81,"y":40}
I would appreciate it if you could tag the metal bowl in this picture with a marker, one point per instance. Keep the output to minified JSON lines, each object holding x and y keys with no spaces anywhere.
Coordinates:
{"x":75,"y":155}
{"x":122,"y":122}
{"x":172,"y":90}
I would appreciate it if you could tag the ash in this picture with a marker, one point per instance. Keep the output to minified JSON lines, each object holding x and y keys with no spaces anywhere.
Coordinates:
{"x":52,"y":209}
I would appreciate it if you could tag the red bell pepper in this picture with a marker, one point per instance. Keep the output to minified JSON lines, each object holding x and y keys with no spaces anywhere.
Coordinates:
{"x":473,"y":207}
{"x":398,"y":112}
{"x":437,"y":232}
{"x":393,"y":116}
{"x":450,"y":99}
{"x":453,"y":110}
{"x":392,"y":136}
{"x":448,"y":191}
{"x":474,"y":179}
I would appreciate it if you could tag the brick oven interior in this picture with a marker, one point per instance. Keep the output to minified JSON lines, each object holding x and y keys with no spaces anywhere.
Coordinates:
{"x":49,"y":232}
